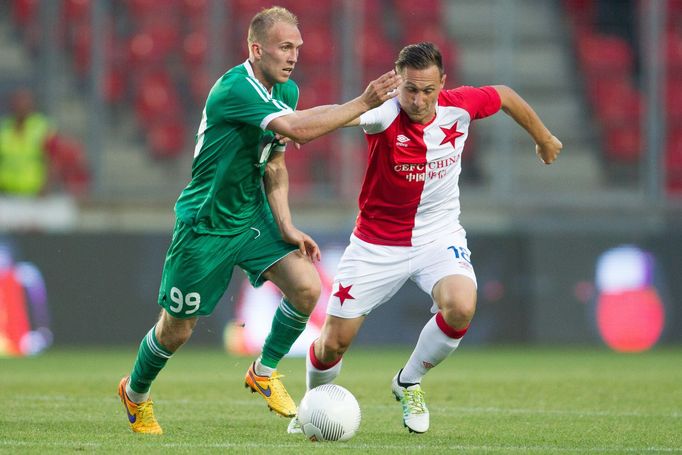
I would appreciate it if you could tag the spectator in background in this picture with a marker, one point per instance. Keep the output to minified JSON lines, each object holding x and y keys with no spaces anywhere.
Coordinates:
{"x":25,"y":136}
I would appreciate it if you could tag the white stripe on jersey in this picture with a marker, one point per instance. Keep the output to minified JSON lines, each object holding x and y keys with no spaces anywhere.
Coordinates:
{"x":265,"y":97}
{"x":200,"y":133}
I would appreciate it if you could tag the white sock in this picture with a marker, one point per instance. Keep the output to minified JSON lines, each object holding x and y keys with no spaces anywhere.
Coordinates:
{"x":432,"y":348}
{"x":262,"y":370}
{"x":316,"y":376}
{"x":134,"y":396}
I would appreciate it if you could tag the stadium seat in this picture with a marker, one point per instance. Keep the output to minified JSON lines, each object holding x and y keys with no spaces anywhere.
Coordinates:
{"x":673,"y":162}
{"x":68,"y":163}
{"x":318,"y":47}
{"x":194,"y":49}
{"x":77,"y":11}
{"x":411,"y":12}
{"x":616,"y":101}
{"x":377,"y":53}
{"x":623,"y":143}
{"x":604,"y":54}
{"x":156,"y":97}
{"x":25,"y":12}
{"x":166,"y":139}
{"x":673,"y":99}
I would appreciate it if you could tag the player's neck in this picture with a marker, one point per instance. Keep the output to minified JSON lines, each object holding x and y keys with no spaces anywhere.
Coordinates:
{"x":260,"y":76}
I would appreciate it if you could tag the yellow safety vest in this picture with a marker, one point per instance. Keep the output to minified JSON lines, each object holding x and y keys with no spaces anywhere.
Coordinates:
{"x":23,"y":161}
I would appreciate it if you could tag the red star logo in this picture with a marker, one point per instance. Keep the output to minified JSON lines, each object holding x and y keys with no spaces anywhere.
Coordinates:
{"x":344,"y":293}
{"x":450,"y":134}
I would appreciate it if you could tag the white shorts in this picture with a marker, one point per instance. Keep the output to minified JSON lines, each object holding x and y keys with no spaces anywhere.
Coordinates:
{"x":368,"y":274}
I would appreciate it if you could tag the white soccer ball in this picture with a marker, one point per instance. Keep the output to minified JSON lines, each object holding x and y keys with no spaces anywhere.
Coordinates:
{"x":329,"y":413}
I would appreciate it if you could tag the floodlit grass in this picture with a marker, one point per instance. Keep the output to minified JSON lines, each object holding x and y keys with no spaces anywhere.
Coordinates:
{"x":495,"y":400}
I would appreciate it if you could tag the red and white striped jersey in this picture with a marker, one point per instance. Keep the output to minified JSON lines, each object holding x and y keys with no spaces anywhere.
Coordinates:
{"x":410,"y":193}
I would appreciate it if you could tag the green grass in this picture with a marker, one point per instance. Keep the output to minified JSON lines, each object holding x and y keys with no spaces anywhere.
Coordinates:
{"x":501,"y":400}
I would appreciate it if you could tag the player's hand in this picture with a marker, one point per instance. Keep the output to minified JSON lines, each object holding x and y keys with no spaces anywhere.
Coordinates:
{"x":549,"y":150}
{"x":306,"y":245}
{"x":283,"y":140}
{"x":381,"y":89}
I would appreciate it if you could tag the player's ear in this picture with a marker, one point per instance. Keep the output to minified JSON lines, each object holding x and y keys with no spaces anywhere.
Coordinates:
{"x":256,"y":50}
{"x":442,"y":80}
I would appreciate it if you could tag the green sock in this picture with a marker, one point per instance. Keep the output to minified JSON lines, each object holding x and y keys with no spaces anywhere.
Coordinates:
{"x":287,"y":325}
{"x":151,"y":358}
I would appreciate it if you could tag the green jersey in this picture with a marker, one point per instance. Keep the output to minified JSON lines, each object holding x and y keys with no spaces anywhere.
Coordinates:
{"x":232,"y":149}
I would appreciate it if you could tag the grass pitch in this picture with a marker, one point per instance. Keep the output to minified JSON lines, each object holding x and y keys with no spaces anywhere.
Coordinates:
{"x":494,"y":400}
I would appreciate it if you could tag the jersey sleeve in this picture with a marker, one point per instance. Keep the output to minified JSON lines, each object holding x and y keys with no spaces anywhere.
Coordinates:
{"x":378,"y":119}
{"x":479,"y":102}
{"x":246,"y":101}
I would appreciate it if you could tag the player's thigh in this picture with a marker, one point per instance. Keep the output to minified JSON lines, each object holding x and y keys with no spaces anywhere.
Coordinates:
{"x":196,"y":272}
{"x":367,"y":276}
{"x":263,"y":249}
{"x":447,"y":260}
{"x":296,"y":276}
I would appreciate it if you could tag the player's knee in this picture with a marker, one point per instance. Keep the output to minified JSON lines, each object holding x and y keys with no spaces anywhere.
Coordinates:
{"x":332,"y":348}
{"x":458,"y":313}
{"x":306,"y":295}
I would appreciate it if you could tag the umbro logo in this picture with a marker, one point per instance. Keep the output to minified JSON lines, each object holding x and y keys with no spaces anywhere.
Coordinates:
{"x":402,"y":140}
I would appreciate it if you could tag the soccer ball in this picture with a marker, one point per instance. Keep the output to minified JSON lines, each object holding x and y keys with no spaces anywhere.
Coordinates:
{"x":329,"y":413}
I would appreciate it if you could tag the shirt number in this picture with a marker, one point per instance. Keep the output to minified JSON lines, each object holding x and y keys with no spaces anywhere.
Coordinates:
{"x":189,"y":302}
{"x":460,"y":252}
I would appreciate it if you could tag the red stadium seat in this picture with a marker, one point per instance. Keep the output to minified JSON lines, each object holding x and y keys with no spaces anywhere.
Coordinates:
{"x":196,"y":13}
{"x":375,"y":50}
{"x":601,"y":55}
{"x":411,"y":12}
{"x":318,"y":89}
{"x":623,"y":144}
{"x":616,"y":101}
{"x":673,"y":162}
{"x":25,"y":12}
{"x":156,"y":98}
{"x":673,"y":99}
{"x":143,"y":10}
{"x":69,"y":164}
{"x":194,"y":49}
{"x":166,"y":139}
{"x":318,"y":46}
{"x":77,"y":11}
{"x":154,"y":42}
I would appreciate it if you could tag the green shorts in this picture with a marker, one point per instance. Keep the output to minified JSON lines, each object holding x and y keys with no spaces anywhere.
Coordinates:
{"x":198,"y":267}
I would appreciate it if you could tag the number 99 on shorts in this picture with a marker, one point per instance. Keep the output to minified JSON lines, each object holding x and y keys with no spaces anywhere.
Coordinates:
{"x":185,"y":304}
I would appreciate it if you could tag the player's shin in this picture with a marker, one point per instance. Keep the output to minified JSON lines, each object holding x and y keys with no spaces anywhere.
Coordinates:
{"x":318,"y":372}
{"x":287,"y":325}
{"x":437,"y":340}
{"x":151,"y":358}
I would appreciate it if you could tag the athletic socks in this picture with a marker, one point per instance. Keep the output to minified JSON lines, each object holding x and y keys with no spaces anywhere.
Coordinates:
{"x":287,"y":324}
{"x":151,"y":358}
{"x":317,"y":372}
{"x":436,"y":341}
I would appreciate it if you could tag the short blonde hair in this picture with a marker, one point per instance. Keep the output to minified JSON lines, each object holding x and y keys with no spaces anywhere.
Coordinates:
{"x":263,"y":21}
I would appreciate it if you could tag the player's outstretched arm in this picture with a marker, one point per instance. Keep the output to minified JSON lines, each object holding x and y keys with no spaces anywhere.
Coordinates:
{"x":547,"y":146}
{"x":302,"y":127}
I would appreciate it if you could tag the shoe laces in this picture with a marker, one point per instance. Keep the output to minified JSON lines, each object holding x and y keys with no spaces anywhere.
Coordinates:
{"x":277,"y":386}
{"x":146,"y":413}
{"x":414,"y":400}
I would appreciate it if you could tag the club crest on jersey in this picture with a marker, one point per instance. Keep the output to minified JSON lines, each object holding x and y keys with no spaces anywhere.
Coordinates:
{"x":402,"y":140}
